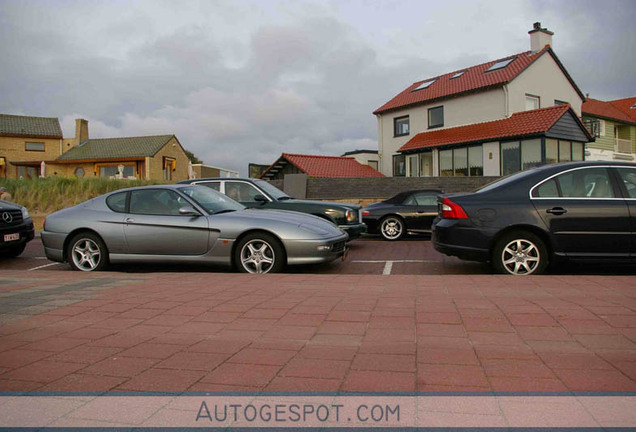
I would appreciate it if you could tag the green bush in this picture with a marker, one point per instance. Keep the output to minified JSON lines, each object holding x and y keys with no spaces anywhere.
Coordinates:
{"x":50,"y":194}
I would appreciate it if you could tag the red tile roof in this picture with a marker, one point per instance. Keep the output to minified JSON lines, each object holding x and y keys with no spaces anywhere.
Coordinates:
{"x":519,"y":124}
{"x":474,"y":78}
{"x":615,"y":110}
{"x":626,"y":105}
{"x":327,"y":166}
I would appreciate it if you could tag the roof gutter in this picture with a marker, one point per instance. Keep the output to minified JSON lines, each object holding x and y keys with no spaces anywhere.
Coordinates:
{"x":506,"y":100}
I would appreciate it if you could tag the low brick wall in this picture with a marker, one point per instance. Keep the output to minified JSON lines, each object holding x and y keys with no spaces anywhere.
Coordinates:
{"x":366,"y":190}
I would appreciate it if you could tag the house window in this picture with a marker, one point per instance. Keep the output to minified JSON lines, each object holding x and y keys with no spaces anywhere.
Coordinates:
{"x":500,"y":64}
{"x":460,"y":162}
{"x":458,"y":74}
{"x":510,"y":158}
{"x":413,"y":166}
{"x":476,"y":161}
{"x":113,"y":171}
{"x":399,"y":165}
{"x":169,"y":165}
{"x":34,"y":146}
{"x":551,"y":151}
{"x":446,"y":163}
{"x":28,"y":172}
{"x":424,"y":85}
{"x":435,"y":117}
{"x":532,"y":102}
{"x":565,"y":151}
{"x":401,"y":126}
{"x":594,"y":126}
{"x":79,"y":172}
{"x":577,"y":151}
{"x":530,"y":154}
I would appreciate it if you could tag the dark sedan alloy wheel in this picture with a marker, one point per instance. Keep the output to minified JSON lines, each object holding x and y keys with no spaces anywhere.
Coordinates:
{"x":392,"y":228}
{"x":87,"y":252}
{"x":520,"y":254}
{"x":260,"y":254}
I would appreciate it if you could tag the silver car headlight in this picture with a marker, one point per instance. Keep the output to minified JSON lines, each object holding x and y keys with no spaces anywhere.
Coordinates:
{"x":25,"y":213}
{"x":314,"y":229}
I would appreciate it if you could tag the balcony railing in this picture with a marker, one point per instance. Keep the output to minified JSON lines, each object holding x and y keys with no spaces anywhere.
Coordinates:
{"x":623,"y":146}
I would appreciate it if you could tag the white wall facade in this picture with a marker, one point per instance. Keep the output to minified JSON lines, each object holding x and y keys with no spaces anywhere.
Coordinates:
{"x":492,"y":165}
{"x":545,"y":79}
{"x":475,"y":108}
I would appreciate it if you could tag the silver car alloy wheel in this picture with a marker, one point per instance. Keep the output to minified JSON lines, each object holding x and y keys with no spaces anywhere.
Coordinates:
{"x":391,"y":228}
{"x":86,"y":254}
{"x":257,"y":256}
{"x":520,"y":257}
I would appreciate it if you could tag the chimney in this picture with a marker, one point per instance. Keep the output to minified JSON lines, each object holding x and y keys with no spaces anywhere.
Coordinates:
{"x":539,"y":37}
{"x":81,"y":131}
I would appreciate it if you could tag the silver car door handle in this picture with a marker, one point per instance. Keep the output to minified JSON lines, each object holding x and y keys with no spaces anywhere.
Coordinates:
{"x":130,"y":220}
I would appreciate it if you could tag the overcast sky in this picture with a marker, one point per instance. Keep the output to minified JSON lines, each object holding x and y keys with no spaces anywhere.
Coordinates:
{"x":243,"y":81}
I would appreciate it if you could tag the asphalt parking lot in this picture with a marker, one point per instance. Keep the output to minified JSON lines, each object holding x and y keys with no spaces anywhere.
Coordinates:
{"x":369,"y":255}
{"x":392,"y":317}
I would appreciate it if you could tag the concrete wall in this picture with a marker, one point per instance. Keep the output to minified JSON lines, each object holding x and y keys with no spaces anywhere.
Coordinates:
{"x":371,"y":189}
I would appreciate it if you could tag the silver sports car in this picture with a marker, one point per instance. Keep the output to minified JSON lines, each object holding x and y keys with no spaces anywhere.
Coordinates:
{"x":186,"y":223}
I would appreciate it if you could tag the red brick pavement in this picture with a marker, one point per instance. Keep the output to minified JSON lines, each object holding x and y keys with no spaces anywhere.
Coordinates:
{"x":297,"y":332}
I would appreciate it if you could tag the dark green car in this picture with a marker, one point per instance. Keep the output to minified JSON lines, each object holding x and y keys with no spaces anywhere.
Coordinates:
{"x":255,"y":193}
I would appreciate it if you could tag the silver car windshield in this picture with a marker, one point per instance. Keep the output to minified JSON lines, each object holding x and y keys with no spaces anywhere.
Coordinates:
{"x":212,"y":201}
{"x":272,"y":190}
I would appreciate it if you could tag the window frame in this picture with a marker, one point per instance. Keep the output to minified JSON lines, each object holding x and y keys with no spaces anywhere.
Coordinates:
{"x":26,"y":146}
{"x":533,"y":98}
{"x":401,"y":119}
{"x":430,"y":110}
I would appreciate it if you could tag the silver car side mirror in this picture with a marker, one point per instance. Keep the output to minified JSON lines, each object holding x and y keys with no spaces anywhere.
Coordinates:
{"x":188,"y":211}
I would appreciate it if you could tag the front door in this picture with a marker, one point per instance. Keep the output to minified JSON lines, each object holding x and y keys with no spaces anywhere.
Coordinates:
{"x":584,"y":213}
{"x":154,"y":226}
{"x":412,"y":162}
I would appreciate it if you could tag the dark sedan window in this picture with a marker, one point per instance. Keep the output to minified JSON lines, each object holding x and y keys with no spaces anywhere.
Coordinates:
{"x":212,"y":185}
{"x":117,"y":202}
{"x":160,"y":202}
{"x":628,"y":175}
{"x":581,"y":183}
{"x":210,"y":200}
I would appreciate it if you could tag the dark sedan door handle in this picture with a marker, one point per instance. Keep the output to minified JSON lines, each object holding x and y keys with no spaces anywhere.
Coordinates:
{"x":130,"y":220}
{"x":556,"y":211}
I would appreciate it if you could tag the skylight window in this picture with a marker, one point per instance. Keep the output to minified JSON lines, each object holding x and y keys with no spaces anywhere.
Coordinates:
{"x":500,"y":64}
{"x":633,"y":106}
{"x":458,"y":74}
{"x":424,"y":85}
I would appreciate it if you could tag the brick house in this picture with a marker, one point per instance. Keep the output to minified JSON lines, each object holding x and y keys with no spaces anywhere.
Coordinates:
{"x":485,"y":120}
{"x":26,"y":142}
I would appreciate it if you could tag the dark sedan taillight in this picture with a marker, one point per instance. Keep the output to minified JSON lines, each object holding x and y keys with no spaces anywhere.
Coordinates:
{"x":450,"y":210}
{"x":366,"y":212}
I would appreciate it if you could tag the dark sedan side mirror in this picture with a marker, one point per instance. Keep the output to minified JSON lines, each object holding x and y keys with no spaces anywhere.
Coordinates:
{"x":188,"y":211}
{"x":260,"y":198}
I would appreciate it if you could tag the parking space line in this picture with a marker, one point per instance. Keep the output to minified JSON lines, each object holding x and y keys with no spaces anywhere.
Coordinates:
{"x":43,"y":266}
{"x":388,"y":264}
{"x":387,"y":268}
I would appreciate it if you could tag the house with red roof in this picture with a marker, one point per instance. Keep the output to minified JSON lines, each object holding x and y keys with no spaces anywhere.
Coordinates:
{"x":491,"y":119}
{"x":613,"y":124}
{"x":318,"y":166}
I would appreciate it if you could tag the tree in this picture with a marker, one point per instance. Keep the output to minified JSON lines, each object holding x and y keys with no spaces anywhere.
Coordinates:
{"x":192,"y":157}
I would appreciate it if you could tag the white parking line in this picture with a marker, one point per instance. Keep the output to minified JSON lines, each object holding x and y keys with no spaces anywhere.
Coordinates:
{"x":387,"y":268}
{"x":43,"y":266}
{"x":388,"y":264}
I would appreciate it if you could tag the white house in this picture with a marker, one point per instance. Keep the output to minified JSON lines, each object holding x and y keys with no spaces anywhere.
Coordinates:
{"x":486,"y":120}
